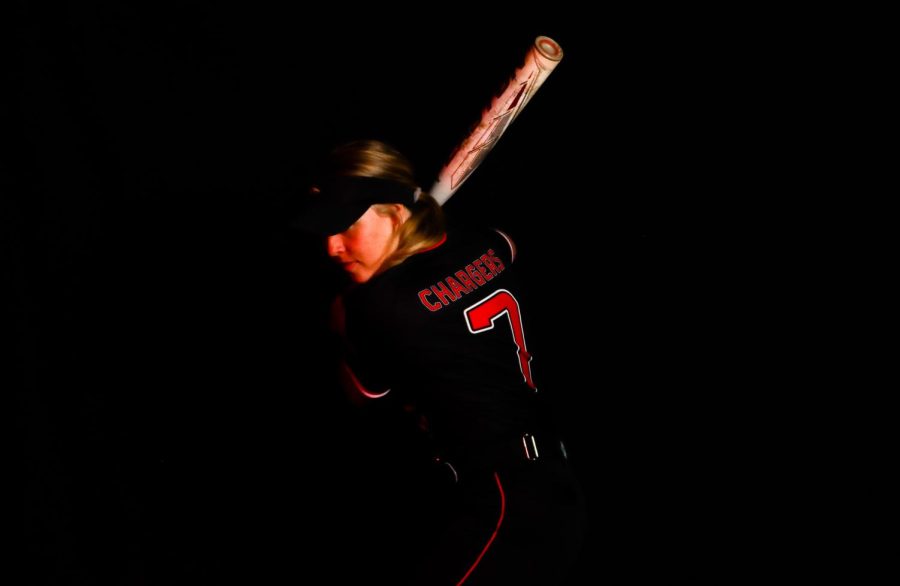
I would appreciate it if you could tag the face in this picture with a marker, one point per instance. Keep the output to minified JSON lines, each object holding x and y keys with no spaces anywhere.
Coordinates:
{"x":362,"y":248}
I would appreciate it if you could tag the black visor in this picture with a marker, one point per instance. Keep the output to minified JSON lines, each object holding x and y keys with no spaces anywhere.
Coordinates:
{"x":334,"y":205}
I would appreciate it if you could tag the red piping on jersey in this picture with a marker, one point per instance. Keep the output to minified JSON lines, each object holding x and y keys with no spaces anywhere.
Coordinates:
{"x":435,"y":245}
{"x":512,"y":245}
{"x":362,"y":389}
{"x":494,"y":535}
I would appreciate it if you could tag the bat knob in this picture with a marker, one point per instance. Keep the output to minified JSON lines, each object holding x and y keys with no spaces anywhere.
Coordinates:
{"x":548,"y":48}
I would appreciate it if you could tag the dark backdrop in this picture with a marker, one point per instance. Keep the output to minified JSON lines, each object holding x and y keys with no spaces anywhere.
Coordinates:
{"x":178,"y":418}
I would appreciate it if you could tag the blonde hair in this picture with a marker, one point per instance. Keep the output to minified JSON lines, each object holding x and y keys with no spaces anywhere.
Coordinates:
{"x":425,"y":226}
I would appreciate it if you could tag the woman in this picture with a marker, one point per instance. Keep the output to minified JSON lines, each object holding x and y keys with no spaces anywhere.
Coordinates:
{"x":434,"y":319}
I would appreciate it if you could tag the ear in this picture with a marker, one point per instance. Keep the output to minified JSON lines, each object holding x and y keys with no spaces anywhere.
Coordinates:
{"x":400,"y":215}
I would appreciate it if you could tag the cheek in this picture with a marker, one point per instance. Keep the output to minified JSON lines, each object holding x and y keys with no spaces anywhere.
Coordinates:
{"x":358,"y":247}
{"x":375,"y":242}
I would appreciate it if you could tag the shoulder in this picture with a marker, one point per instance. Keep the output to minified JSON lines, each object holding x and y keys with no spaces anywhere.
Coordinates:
{"x":492,"y":237}
{"x":509,"y":242}
{"x":370,"y":296}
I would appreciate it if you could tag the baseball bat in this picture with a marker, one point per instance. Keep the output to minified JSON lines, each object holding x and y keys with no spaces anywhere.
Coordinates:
{"x":543,"y":56}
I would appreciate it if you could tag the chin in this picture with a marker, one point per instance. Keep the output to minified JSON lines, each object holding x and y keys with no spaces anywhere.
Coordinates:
{"x":360,"y":277}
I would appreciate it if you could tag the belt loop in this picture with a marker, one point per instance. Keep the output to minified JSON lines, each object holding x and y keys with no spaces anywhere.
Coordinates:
{"x":530,"y":445}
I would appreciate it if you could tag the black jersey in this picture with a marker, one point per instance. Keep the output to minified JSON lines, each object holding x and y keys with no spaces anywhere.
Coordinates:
{"x":445,"y":331}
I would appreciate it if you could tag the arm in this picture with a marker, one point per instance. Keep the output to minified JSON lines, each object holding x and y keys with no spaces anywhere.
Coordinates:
{"x":356,"y":391}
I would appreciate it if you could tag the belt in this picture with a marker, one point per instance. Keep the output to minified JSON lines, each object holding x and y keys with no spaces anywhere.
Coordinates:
{"x":526,"y":447}
{"x":517,"y":451}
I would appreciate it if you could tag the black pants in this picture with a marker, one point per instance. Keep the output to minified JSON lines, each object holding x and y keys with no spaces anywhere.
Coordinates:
{"x":521,"y":523}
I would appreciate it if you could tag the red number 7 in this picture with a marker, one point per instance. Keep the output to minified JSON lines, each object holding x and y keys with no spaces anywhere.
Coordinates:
{"x":481,"y":317}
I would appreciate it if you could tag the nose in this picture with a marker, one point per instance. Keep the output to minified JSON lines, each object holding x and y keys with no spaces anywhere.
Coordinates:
{"x":335,"y":245}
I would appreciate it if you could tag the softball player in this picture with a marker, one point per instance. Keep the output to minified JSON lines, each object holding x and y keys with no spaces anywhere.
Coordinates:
{"x":434,"y":320}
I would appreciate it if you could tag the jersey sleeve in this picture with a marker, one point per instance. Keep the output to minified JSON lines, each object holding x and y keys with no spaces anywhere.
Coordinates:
{"x":357,"y":377}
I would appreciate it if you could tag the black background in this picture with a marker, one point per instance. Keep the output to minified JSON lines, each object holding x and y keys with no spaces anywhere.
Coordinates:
{"x":177,"y":411}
